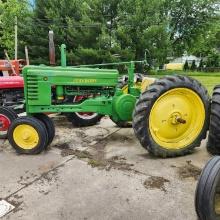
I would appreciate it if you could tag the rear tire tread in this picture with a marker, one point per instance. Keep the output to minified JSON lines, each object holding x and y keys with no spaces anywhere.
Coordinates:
{"x":143,"y":107}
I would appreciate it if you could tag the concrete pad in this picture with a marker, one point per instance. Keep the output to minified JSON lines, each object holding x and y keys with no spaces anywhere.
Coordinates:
{"x":114,"y":178}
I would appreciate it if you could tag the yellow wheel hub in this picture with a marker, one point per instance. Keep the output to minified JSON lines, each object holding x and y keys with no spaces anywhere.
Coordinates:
{"x":177,"y":118}
{"x":26,"y":136}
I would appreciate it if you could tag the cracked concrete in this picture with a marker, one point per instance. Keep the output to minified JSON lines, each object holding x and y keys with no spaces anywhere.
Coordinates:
{"x":99,"y":172}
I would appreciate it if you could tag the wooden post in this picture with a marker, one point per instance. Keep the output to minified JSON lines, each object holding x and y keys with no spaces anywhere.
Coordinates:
{"x":16,"y":38}
{"x":51,"y":49}
{"x":27,"y":56}
{"x":7,"y":57}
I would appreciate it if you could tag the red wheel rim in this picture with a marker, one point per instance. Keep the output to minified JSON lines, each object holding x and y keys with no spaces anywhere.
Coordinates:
{"x":4,"y":123}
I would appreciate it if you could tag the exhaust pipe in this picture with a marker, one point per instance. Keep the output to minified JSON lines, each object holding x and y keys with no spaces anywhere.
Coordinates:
{"x":52,"y":55}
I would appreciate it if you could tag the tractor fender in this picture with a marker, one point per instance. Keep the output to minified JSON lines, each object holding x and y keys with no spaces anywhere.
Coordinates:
{"x":146,"y":82}
{"x":11,"y":82}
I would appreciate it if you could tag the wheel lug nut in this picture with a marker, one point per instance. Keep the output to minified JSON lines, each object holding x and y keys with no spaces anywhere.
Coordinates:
{"x":180,"y":120}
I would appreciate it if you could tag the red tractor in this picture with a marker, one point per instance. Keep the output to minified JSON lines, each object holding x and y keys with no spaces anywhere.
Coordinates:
{"x":11,"y":84}
{"x":11,"y":68}
{"x":11,"y":92}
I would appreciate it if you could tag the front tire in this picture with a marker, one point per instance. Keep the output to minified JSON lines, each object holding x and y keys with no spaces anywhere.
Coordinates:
{"x":48,"y":122}
{"x":28,"y":135}
{"x":172,"y":116}
{"x":207,"y":196}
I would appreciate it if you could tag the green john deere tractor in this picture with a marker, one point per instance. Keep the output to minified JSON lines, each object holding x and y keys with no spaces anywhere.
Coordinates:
{"x":169,"y":117}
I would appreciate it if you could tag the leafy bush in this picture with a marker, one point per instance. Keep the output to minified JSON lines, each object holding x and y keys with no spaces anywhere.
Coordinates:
{"x":186,"y":66}
{"x":193,"y":66}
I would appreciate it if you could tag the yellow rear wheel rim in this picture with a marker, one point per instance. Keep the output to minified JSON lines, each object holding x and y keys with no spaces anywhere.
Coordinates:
{"x":26,"y":136}
{"x":177,"y":118}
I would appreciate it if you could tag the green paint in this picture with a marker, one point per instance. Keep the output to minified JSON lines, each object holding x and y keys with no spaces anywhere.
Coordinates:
{"x":63,"y":55}
{"x":48,"y":89}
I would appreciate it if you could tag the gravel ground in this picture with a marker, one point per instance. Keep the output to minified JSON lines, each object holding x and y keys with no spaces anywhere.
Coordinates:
{"x":98,"y":172}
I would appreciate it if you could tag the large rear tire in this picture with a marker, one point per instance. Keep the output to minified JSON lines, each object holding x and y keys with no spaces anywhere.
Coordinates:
{"x":213,"y":145}
{"x":84,"y":119}
{"x":207,"y":196}
{"x":172,"y":116}
{"x":28,"y":135}
{"x":7,"y":116}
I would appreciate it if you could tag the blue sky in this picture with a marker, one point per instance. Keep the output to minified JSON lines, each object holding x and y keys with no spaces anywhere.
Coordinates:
{"x":31,"y":1}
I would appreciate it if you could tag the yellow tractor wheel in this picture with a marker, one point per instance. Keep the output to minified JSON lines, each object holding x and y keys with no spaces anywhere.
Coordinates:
{"x":171,"y":117}
{"x":28,"y":135}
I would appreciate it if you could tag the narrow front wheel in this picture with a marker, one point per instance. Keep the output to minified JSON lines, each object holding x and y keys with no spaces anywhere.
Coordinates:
{"x":28,"y":135}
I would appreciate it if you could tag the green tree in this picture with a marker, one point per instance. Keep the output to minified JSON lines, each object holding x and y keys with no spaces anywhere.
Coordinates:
{"x":186,"y":66}
{"x":142,"y":25}
{"x":201,"y":65}
{"x":193,"y":66}
{"x":213,"y":59}
{"x":97,"y":31}
{"x":8,"y":11}
{"x":188,"y":20}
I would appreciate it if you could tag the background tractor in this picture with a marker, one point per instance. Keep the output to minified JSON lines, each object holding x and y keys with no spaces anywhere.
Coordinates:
{"x":170,"y":117}
{"x":11,"y":83}
{"x":11,"y":67}
{"x":11,"y":92}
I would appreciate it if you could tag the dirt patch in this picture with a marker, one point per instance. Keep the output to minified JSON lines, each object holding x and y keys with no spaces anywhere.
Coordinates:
{"x":115,"y":162}
{"x":16,"y":202}
{"x":79,"y":154}
{"x":189,"y":171}
{"x":99,"y":160}
{"x":117,"y":137}
{"x":62,"y":146}
{"x":49,"y":177}
{"x":96,"y":155}
{"x":44,"y":192}
{"x":156,"y":182}
{"x":80,"y":134}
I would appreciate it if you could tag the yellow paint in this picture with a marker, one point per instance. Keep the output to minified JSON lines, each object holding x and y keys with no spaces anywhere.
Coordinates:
{"x":140,"y":85}
{"x":172,"y":108}
{"x":174,"y":66}
{"x":146,"y":82}
{"x":26,"y":136}
{"x":85,"y":80}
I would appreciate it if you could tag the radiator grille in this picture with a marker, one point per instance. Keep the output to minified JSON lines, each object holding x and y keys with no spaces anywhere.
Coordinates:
{"x":32,"y":88}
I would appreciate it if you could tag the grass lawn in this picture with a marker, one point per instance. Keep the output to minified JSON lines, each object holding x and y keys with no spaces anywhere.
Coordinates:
{"x":209,"y":80}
